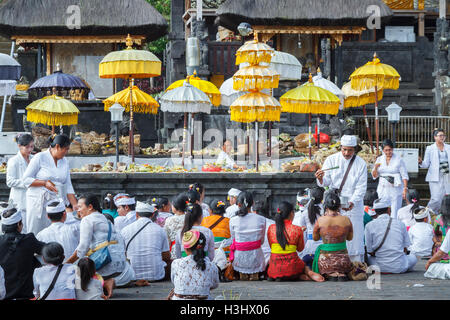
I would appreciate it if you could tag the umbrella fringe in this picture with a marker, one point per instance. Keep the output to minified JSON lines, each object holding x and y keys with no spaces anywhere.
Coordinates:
{"x":215,"y":98}
{"x":252,"y":114}
{"x":253,"y":57}
{"x":246,"y":83}
{"x":296,"y":106}
{"x":357,"y":101}
{"x":52,"y":119}
{"x":139,"y":108}
{"x":370,"y":81}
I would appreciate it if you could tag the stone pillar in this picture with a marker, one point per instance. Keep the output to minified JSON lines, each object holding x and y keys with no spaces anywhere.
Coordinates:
{"x":441,"y":66}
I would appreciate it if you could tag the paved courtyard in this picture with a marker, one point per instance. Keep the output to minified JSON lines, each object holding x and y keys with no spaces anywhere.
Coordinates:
{"x":409,"y":286}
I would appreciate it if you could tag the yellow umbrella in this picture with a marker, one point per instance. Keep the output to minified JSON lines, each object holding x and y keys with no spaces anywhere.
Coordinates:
{"x":207,"y":87}
{"x":53,"y":111}
{"x":310,"y":99}
{"x":130,"y":64}
{"x":142,"y":102}
{"x":255,"y":106}
{"x":255,"y":78}
{"x":254,"y":53}
{"x":355,"y":98}
{"x":378,"y":76}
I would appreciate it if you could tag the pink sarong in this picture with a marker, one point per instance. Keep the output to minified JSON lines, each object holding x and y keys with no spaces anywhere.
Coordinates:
{"x":243,"y":246}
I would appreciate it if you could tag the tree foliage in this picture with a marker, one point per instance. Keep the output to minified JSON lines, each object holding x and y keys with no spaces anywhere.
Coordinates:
{"x":163,"y":7}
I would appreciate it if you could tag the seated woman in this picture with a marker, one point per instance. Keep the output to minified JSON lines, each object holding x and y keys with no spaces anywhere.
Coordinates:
{"x":163,"y":206}
{"x":109,"y":206}
{"x":201,"y":191}
{"x":174,"y":224}
{"x":285,"y":240}
{"x":65,"y":274}
{"x":260,"y":207}
{"x":193,"y":276}
{"x":219,"y":225}
{"x":406,"y":213}
{"x":331,"y":258}
{"x":248,"y":232}
{"x":441,"y":226}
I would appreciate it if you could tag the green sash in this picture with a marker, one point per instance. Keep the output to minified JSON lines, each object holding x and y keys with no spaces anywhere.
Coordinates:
{"x":326,"y":247}
{"x":219,"y":239}
{"x":183,"y":254}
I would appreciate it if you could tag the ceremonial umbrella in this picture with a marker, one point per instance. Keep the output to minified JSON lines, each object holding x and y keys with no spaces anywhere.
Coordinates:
{"x":186,"y":99}
{"x":58,"y":79}
{"x":53,"y":111}
{"x":326,"y":84}
{"x":355,"y":98}
{"x":130,"y":64}
{"x":378,"y":76}
{"x":310,"y":99}
{"x":142,"y":102}
{"x":9,"y":70}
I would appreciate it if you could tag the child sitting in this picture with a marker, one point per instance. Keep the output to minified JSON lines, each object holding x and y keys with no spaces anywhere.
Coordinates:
{"x":91,"y":283}
{"x":421,"y":234}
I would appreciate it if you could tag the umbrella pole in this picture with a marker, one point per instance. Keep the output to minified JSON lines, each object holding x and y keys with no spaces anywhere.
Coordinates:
{"x":184,"y":138}
{"x":131,"y":148}
{"x":191,"y":133}
{"x":3,"y":113}
{"x":368,"y":128}
{"x":257,"y":145}
{"x":248,"y":142}
{"x":376,"y":120}
{"x":309,"y":134}
{"x":53,"y":130}
{"x":318,"y":131}
{"x":269,"y":152}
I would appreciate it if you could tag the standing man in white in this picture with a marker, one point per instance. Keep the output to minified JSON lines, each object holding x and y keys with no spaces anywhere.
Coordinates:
{"x":350,"y":179}
{"x":14,"y":174}
{"x":436,"y":160}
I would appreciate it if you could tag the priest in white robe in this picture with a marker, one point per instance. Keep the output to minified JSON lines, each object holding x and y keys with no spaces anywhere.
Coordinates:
{"x":353,"y":190}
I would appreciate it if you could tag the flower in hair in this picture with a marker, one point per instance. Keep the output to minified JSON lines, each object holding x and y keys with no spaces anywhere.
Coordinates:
{"x":154,"y":200}
{"x":187,"y":202}
{"x":278,"y":210}
{"x":414,"y":200}
{"x":191,"y":186}
{"x":198,"y":189}
{"x":220,"y":203}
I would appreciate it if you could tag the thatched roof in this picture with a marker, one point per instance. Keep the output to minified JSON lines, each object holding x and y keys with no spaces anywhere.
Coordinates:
{"x":98,"y":17}
{"x":298,"y":12}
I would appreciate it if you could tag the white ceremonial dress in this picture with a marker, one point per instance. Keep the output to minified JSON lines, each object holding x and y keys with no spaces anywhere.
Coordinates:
{"x":439,"y":183}
{"x":266,"y":246}
{"x":251,"y":227}
{"x":391,"y":256}
{"x":42,"y":167}
{"x":393,"y":192}
{"x":65,"y":284}
{"x":144,"y":250}
{"x":310,"y":244}
{"x":421,"y":236}
{"x":93,"y":231}
{"x":354,"y":188}
{"x":14,"y":180}
{"x":121,"y":222}
{"x":189,"y":280}
{"x":225,"y":160}
{"x":439,"y":270}
{"x":173,"y":226}
{"x":67,"y":235}
{"x":231,"y":211}
{"x":209,"y":246}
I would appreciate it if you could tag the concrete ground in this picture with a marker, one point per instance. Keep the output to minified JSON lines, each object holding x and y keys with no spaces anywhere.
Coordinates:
{"x":409,"y":286}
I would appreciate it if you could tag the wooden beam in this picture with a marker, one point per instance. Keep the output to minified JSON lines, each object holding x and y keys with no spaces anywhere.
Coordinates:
{"x":308,"y":30}
{"x":48,"y":50}
{"x":422,"y":25}
{"x":138,"y":39}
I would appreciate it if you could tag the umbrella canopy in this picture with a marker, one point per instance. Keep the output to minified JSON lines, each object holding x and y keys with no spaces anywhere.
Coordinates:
{"x":142,"y":102}
{"x":7,"y":87}
{"x":354,"y":98}
{"x":130,"y":63}
{"x":255,"y":78}
{"x":326,"y":84}
{"x":255,"y":106}
{"x":254,"y":52}
{"x":53,"y":111}
{"x":59,"y":80}
{"x":228,"y":93}
{"x":309,"y":98}
{"x":375,"y":74}
{"x":9,"y":68}
{"x":205,"y":86}
{"x":285,"y":64}
{"x":186,"y":98}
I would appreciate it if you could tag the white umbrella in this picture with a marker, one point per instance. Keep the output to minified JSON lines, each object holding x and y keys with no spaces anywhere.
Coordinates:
{"x":228,"y":93}
{"x":186,"y":99}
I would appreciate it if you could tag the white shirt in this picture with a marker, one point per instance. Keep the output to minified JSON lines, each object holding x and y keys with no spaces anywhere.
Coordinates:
{"x":189,"y":280}
{"x":397,"y":169}
{"x":93,"y":231}
{"x":445,"y":246}
{"x":94,"y":290}
{"x":391,"y":256}
{"x":121,"y":222}
{"x":42,"y":167}
{"x":205,"y":209}
{"x":144,"y":251}
{"x":231,"y":211}
{"x":225,"y":160}
{"x":310,"y":244}
{"x":356,"y":185}
{"x":421,"y":236}
{"x":67,"y":235}
{"x":172,"y":227}
{"x":265,"y":246}
{"x":209,"y":246}
{"x":14,"y":173}
{"x":2,"y":284}
{"x":431,"y":161}
{"x":251,"y":227}
{"x":65,"y":284}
